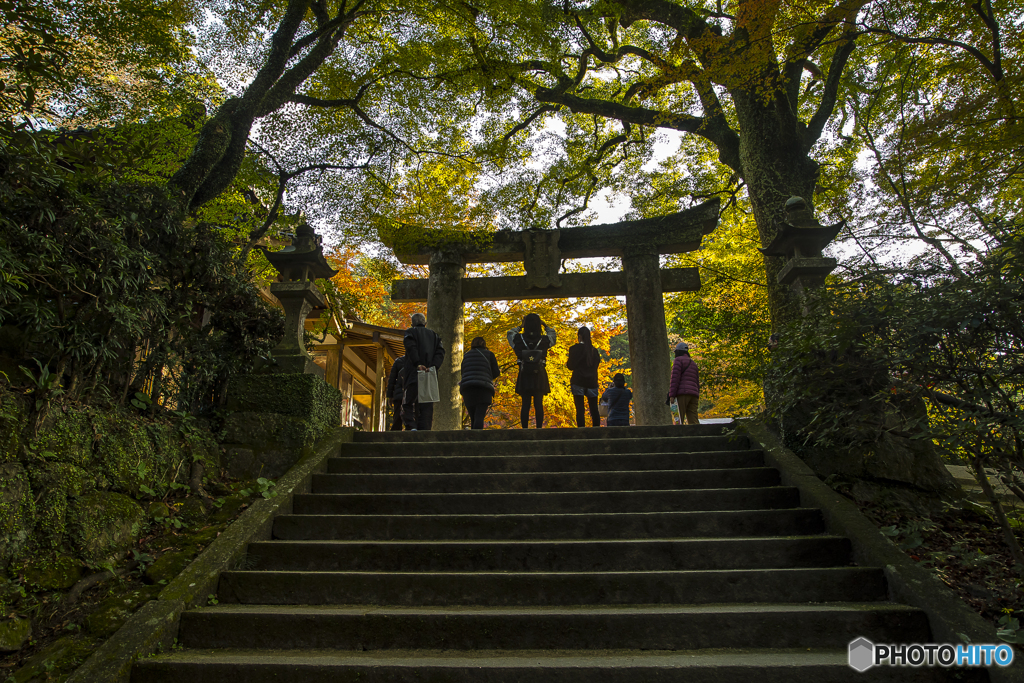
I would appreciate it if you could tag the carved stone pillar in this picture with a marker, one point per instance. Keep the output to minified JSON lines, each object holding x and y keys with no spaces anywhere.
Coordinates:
{"x":445,"y":316}
{"x":648,"y":336}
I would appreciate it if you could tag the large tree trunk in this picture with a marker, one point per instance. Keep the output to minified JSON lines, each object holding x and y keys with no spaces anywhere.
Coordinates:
{"x":775,"y":168}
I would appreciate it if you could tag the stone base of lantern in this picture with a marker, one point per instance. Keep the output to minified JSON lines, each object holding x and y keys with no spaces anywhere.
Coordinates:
{"x":297,"y":299}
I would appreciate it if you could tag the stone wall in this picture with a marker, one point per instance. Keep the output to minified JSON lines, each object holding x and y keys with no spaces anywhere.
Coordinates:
{"x":271,"y":420}
{"x":75,"y":493}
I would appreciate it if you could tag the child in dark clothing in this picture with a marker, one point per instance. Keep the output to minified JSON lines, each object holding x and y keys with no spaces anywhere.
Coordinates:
{"x":618,"y":398}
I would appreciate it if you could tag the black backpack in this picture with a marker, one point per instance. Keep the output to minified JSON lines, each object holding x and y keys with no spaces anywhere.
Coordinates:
{"x":531,"y":360}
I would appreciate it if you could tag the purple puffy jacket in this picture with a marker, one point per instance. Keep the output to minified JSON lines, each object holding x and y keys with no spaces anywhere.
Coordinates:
{"x":685,"y":379}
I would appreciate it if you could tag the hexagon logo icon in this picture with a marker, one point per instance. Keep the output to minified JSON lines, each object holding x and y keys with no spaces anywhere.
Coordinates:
{"x":862,"y":654}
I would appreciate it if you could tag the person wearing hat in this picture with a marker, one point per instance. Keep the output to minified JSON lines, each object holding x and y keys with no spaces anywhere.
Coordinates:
{"x":684,"y":386}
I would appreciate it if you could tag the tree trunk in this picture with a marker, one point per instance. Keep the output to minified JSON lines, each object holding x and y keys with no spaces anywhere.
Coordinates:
{"x":775,"y":168}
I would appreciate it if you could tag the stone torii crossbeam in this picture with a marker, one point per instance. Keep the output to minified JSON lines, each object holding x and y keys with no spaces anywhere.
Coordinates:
{"x":642,"y":281}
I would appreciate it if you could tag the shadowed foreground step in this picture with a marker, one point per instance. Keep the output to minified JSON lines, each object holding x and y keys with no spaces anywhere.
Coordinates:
{"x":654,"y":627}
{"x":552,"y":588}
{"x":641,"y":555}
{"x":738,"y":666}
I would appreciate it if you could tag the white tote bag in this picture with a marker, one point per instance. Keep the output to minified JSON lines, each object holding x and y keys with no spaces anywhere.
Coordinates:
{"x":427,"y":380}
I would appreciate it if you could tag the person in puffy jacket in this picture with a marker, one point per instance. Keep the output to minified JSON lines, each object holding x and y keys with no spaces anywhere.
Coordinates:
{"x":395,"y":389}
{"x":479,"y":370}
{"x":684,"y":386}
{"x":618,"y":398}
{"x":583,"y":361}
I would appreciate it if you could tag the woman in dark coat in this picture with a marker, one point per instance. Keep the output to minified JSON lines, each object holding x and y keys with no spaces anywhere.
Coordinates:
{"x":583,"y":361}
{"x":618,"y":397}
{"x":531,"y":342}
{"x":479,"y":370}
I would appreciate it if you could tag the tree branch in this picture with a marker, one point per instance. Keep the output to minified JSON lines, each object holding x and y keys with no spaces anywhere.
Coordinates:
{"x":282,"y":181}
{"x":547,"y":109}
{"x":725,"y":139}
{"x":829,"y":95}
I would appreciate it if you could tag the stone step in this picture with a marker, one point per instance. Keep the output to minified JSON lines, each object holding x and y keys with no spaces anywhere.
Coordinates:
{"x":833,"y":584}
{"x":592,"y":666}
{"x":543,"y":482}
{"x":549,"y":556}
{"x":588,"y":433}
{"x":562,"y":446}
{"x":729,"y":523}
{"x":348,"y":464}
{"x":768,"y":497}
{"x":648,"y":627}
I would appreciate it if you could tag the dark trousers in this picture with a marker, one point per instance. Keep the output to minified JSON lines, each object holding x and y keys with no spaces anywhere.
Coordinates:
{"x":477,"y":413}
{"x":477,"y":401}
{"x":416,"y":415}
{"x":538,"y":408}
{"x":396,"y":416}
{"x":581,"y":418}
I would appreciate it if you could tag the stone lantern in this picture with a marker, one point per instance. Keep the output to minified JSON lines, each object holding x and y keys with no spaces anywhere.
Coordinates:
{"x":299,"y":265}
{"x":799,"y":240}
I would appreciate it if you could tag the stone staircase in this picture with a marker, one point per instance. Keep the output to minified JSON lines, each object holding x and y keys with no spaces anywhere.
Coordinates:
{"x":643,"y":554}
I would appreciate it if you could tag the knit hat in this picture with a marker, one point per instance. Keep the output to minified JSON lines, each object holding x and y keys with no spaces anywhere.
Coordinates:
{"x":682,"y":346}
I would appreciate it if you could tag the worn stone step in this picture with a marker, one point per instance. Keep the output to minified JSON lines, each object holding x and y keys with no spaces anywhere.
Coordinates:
{"x":533,"y":482}
{"x":574,"y":501}
{"x":615,"y":666}
{"x":588,"y":433}
{"x":549,"y":556}
{"x":792,"y":521}
{"x":544,"y":463}
{"x":833,"y":584}
{"x":571,"y":445}
{"x":729,"y":523}
{"x":587,"y":627}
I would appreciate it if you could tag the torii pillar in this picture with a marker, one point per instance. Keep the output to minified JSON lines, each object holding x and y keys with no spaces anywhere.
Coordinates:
{"x":648,"y":335}
{"x":642,"y":281}
{"x":445,"y":316}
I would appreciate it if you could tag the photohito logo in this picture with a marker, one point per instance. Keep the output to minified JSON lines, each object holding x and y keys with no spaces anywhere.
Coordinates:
{"x":864,"y":654}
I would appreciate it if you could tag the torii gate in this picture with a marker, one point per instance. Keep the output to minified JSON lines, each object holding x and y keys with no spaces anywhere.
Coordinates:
{"x":642,"y":281}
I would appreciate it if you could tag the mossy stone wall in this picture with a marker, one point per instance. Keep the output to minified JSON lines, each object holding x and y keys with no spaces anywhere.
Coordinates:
{"x":272,"y":419}
{"x":60,"y":486}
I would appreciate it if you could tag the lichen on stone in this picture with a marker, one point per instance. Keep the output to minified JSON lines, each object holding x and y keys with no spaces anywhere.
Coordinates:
{"x":17,"y":510}
{"x":103,"y":525}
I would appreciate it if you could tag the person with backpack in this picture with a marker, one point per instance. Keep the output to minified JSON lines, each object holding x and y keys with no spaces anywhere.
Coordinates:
{"x":618,"y":398}
{"x":395,"y":389}
{"x":583,"y":361}
{"x":531,"y":342}
{"x":479,"y":370}
{"x":684,"y":386}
